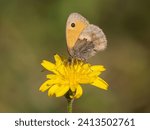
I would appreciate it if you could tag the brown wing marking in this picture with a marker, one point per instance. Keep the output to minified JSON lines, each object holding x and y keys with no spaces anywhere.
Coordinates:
{"x":83,"y":49}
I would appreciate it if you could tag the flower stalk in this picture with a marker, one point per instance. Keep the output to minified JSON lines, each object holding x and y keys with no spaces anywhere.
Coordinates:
{"x":69,"y":105}
{"x":70,"y":100}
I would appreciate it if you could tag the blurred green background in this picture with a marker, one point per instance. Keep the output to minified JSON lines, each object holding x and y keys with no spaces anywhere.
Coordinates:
{"x":33,"y":30}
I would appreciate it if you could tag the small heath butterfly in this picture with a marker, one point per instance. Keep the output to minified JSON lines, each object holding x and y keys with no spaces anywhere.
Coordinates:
{"x":83,"y":39}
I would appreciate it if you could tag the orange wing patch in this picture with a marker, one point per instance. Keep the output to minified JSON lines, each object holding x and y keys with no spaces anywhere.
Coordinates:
{"x":72,"y":33}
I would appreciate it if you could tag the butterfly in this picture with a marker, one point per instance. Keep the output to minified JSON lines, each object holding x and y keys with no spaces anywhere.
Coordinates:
{"x":84,"y":40}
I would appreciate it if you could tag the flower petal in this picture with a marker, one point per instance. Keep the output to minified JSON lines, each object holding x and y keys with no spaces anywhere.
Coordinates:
{"x":78,"y":91}
{"x":46,"y":85}
{"x":86,"y":66}
{"x":73,"y":88}
{"x":98,"y":68}
{"x":61,"y":90}
{"x":52,"y":90}
{"x":100,"y":83}
{"x":48,"y":65}
{"x":51,"y":76}
{"x":58,"y":60}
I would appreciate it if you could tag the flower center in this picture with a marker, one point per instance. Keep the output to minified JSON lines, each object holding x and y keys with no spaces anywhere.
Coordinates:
{"x":76,"y":72}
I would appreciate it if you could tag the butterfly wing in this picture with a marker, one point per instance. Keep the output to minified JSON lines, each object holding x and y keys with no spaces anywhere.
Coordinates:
{"x":82,"y":50}
{"x":90,"y":41}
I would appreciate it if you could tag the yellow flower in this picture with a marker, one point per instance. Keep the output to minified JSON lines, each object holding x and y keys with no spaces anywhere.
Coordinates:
{"x":68,"y":75}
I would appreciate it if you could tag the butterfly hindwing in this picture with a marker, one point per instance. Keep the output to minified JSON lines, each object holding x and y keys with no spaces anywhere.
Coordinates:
{"x":83,"y":49}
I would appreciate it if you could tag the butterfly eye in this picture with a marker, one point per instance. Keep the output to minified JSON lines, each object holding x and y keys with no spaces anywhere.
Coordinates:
{"x":73,"y":25}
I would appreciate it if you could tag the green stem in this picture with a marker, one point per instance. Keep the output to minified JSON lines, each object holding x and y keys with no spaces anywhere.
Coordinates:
{"x":69,"y":105}
{"x":70,"y":100}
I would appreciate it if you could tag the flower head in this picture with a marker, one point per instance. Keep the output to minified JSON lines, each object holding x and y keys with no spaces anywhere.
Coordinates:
{"x":68,"y":75}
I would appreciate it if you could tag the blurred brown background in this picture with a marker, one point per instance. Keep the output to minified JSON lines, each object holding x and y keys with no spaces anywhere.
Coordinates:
{"x":33,"y":30}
